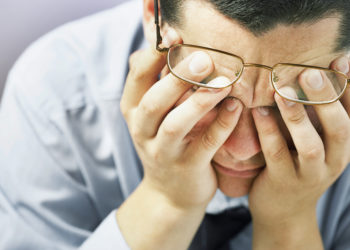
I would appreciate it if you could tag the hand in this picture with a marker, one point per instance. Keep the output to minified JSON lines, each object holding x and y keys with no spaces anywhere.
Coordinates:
{"x":293,"y":181}
{"x":342,"y":64}
{"x":175,"y":166}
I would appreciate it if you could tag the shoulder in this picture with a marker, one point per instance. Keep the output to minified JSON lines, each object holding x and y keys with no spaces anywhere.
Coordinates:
{"x":334,"y":213}
{"x":62,"y":69}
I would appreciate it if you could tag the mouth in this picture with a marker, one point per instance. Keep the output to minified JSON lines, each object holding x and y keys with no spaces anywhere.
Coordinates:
{"x":239,"y":170}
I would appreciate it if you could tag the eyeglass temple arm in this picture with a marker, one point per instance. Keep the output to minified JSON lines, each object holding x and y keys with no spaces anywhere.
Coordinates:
{"x":348,"y":81}
{"x":156,"y":21}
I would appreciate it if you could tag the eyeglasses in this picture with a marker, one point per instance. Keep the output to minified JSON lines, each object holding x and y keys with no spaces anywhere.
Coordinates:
{"x":285,"y":77}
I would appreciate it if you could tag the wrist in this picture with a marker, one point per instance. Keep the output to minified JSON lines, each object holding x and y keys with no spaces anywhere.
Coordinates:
{"x":166,"y":203}
{"x":298,"y":232}
{"x":177,"y":198}
{"x":149,"y":220}
{"x":287,"y":221}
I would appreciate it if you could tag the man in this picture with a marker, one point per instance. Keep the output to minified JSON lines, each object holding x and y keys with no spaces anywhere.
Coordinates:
{"x":225,"y":117}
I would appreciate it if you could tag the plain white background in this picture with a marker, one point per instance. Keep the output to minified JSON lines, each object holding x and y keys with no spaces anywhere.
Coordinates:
{"x":22,"y":22}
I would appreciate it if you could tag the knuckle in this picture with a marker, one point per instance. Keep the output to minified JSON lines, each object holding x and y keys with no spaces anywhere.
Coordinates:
{"x":156,"y":154}
{"x":277,"y":153}
{"x":126,"y":112}
{"x":209,"y":141}
{"x":340,"y":133}
{"x":269,"y":130}
{"x":223,"y":123}
{"x":123,"y":108}
{"x":298,"y":117}
{"x":133,"y":58}
{"x":201,"y":104}
{"x":136,"y":133}
{"x":312,"y":153}
{"x":170,"y":131}
{"x":132,"y":63}
{"x":149,"y":108}
{"x":134,"y":69}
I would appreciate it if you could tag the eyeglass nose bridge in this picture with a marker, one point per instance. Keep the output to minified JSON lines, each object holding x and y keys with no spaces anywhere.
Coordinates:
{"x":248,"y":65}
{"x":257,"y":65}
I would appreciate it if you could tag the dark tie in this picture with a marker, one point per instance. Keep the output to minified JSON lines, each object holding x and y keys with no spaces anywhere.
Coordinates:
{"x":216,"y":230}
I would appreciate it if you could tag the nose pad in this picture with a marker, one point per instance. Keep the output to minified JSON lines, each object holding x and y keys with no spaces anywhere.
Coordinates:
{"x":254,"y":88}
{"x":243,"y":143}
{"x":244,"y":88}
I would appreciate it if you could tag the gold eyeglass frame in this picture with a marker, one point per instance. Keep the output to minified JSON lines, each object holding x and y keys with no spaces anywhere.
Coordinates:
{"x":245,"y":65}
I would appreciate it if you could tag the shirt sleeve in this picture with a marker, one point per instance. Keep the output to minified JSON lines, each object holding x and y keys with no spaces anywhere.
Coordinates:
{"x":343,"y":242}
{"x":48,"y":197}
{"x":333,"y":212}
{"x":109,"y":232}
{"x":340,"y":216}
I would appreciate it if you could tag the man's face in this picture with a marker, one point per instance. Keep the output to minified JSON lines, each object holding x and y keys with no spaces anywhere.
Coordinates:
{"x":240,"y":159}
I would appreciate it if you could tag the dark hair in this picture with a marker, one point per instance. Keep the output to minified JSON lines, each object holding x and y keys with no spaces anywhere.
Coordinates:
{"x":260,"y":16}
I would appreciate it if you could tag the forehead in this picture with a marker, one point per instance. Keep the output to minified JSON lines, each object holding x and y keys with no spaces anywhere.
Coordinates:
{"x":307,"y":42}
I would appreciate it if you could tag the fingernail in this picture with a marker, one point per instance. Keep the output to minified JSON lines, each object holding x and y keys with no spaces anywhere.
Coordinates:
{"x":314,"y":79}
{"x":342,"y":65}
{"x":199,"y":62}
{"x":288,"y":92}
{"x":231,"y":104}
{"x":264,"y":111}
{"x":219,"y":82}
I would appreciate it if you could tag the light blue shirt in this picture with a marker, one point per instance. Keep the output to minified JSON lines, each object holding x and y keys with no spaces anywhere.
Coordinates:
{"x":67,"y":161}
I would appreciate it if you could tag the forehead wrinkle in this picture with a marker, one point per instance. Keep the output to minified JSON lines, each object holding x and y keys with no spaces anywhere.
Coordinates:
{"x":285,"y":43}
{"x":304,"y":37}
{"x":218,"y":28}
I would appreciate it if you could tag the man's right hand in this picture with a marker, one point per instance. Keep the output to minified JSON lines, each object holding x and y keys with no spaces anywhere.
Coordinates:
{"x":178,"y":172}
{"x":174,"y":166}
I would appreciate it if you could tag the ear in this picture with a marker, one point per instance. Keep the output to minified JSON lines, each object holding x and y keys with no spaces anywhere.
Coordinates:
{"x":169,"y":34}
{"x":149,"y":26}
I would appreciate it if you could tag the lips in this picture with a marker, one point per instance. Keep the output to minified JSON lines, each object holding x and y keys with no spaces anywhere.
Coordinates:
{"x":239,"y":170}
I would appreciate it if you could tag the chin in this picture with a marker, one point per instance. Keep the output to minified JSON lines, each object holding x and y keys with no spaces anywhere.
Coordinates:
{"x":234,"y":187}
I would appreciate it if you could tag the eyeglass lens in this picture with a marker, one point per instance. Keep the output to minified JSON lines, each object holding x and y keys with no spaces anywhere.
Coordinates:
{"x":290,"y":81}
{"x":308,"y":84}
{"x":226,"y":66}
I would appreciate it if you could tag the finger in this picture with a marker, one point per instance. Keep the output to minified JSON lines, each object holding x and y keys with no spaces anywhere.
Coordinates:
{"x":279,"y":161}
{"x":170,"y":37}
{"x":334,"y":119}
{"x":165,"y":71}
{"x":317,"y":86}
{"x":145,"y":66}
{"x":181,"y":120}
{"x":163,"y":95}
{"x":342,"y":64}
{"x":345,"y":100}
{"x":307,"y":141}
{"x":204,"y":147}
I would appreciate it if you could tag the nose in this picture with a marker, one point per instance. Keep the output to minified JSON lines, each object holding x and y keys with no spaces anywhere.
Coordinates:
{"x":243,"y":143}
{"x":254,"y":88}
